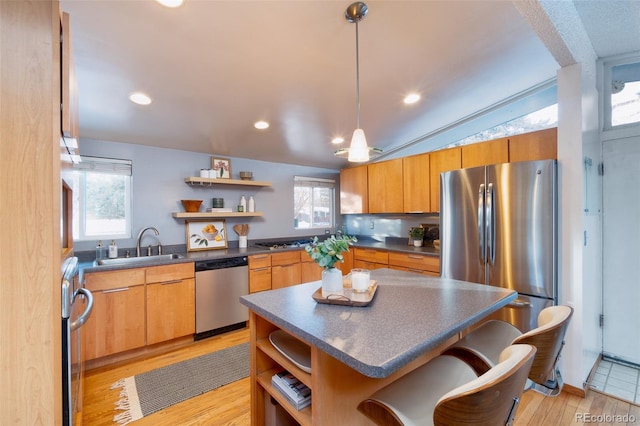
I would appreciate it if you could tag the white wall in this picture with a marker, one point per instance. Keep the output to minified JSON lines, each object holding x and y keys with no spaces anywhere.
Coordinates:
{"x":158,"y":187}
{"x":579,"y":266}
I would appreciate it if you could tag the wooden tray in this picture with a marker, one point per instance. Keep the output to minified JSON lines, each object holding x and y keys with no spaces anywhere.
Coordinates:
{"x":350,"y":298}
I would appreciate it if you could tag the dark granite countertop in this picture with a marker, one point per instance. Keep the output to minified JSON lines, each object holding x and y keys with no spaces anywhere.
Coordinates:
{"x":410,"y":315}
{"x":395,"y":244}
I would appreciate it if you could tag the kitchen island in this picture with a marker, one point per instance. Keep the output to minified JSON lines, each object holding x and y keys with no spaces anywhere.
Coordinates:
{"x":355,"y":351}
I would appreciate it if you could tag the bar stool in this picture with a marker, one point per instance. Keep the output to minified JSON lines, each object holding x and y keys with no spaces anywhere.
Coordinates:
{"x":446,"y":391}
{"x":481,"y":348}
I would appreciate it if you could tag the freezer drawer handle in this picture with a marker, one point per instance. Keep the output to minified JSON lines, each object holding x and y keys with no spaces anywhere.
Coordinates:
{"x":518,"y":303}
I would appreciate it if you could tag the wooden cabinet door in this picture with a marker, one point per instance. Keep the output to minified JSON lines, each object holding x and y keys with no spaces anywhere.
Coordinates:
{"x":416,"y":188}
{"x":414,"y":262}
{"x":285,"y":275}
{"x":370,"y":255}
{"x":441,"y":161}
{"x":485,"y":153}
{"x":347,"y":265}
{"x":540,"y":145}
{"x":171,"y":310}
{"x":353,"y":190}
{"x":69,"y":90}
{"x":385,"y":187}
{"x":117,"y":322}
{"x":260,"y":279}
{"x":363,"y":264}
{"x":310,"y":271}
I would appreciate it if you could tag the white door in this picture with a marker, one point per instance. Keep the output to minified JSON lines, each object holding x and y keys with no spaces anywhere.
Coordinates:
{"x":621,"y":249}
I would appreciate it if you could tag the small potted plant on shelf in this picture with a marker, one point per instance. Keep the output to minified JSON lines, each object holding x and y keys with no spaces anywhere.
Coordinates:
{"x":417,"y":234}
{"x":326,"y":254}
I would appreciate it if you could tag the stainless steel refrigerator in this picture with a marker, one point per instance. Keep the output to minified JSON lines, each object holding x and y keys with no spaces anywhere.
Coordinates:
{"x":498,"y":226}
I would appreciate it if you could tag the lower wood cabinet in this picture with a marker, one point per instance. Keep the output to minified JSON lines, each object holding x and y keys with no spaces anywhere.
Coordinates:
{"x":421,"y":263}
{"x":170,"y":310}
{"x":370,"y":258}
{"x":259,"y":272}
{"x":309,"y":269}
{"x":138,"y":307}
{"x":117,"y":322}
{"x":285,"y":269}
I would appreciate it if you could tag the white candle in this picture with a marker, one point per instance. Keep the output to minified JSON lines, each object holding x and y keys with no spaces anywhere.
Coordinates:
{"x":360,"y":280}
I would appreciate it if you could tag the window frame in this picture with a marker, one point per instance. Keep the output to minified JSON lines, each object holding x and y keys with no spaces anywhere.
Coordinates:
{"x":111,"y":166}
{"x":606,"y":69}
{"x":312,"y":182}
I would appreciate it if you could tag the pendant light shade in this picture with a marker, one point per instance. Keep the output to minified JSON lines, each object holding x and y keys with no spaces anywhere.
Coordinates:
{"x":358,"y":151}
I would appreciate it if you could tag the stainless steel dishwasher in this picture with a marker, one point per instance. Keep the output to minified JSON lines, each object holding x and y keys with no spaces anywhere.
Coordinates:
{"x":219,"y":285}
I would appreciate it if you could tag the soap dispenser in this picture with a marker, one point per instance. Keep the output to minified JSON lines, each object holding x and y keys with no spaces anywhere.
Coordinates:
{"x":252,"y":204}
{"x":243,"y":203}
{"x":113,"y":250}
{"x":101,"y":251}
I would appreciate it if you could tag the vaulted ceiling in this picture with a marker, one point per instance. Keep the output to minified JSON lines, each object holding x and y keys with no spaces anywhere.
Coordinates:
{"x":215,"y":67}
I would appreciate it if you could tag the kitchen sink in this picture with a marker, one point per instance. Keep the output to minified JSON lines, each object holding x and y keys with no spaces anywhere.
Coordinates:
{"x":141,"y":259}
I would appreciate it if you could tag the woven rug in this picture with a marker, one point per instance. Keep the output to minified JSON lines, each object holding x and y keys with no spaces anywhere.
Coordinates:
{"x":146,"y":393}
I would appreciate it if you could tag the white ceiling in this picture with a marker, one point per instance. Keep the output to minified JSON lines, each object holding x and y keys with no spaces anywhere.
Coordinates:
{"x":215,"y":67}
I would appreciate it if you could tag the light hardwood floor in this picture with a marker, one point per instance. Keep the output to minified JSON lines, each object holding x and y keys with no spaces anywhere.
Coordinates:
{"x":230,"y":404}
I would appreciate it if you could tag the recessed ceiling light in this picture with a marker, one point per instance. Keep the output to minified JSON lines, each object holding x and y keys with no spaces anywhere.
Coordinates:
{"x":139,"y":98}
{"x":171,"y":3}
{"x":337,"y":140}
{"x":411,"y":98}
{"x":261,"y":125}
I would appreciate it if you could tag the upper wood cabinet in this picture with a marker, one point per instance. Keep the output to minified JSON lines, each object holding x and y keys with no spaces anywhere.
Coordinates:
{"x":412,"y":184}
{"x":416,"y":189}
{"x":441,"y":161}
{"x":69,"y":90}
{"x":540,"y":145}
{"x":385,"y":187}
{"x":485,"y":153}
{"x":353,"y":190}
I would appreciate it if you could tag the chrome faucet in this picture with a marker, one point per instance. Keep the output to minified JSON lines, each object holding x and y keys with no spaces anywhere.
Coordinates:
{"x":140,"y":238}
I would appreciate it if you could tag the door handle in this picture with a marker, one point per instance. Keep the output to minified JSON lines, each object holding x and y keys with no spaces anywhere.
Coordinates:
{"x":491,"y":224}
{"x":87,"y":311}
{"x":481,"y":223}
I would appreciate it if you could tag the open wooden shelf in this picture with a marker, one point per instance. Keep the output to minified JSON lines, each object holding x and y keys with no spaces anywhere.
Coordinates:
{"x":200,"y":181}
{"x":210,"y":215}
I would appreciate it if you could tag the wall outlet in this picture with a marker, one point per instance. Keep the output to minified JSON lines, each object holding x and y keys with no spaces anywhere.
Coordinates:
{"x":371,"y":225}
{"x":327,"y":231}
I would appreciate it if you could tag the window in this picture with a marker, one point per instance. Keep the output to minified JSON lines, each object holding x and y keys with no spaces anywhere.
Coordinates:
{"x":101,"y":199}
{"x":538,"y":120}
{"x":313,"y":200}
{"x":625,"y":94}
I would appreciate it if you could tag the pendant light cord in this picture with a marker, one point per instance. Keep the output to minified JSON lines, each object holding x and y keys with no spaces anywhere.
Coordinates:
{"x":357,"y":79}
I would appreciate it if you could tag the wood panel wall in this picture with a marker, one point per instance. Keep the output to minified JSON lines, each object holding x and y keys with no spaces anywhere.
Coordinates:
{"x":30,"y":247}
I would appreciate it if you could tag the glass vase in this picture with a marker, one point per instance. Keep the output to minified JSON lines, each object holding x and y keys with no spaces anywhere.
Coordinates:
{"x":331,"y":281}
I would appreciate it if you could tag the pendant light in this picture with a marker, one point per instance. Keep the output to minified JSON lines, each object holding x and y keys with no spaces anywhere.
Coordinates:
{"x":359,"y":151}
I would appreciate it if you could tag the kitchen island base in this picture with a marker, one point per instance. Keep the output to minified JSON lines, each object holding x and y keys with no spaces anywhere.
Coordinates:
{"x":336,"y":389}
{"x":355,"y":351}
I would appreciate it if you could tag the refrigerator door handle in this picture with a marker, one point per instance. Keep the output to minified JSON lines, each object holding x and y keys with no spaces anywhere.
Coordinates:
{"x":481,"y":220}
{"x":491,"y":225}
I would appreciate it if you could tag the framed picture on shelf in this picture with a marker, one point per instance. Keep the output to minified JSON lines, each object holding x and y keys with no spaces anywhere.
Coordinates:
{"x":222,"y":167}
{"x":206,"y":234}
